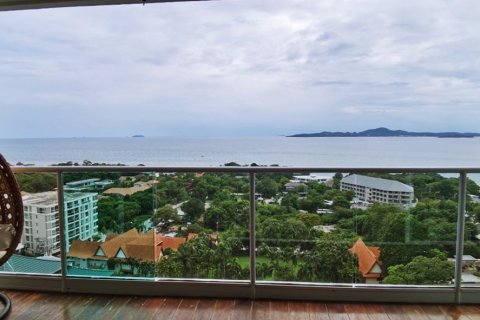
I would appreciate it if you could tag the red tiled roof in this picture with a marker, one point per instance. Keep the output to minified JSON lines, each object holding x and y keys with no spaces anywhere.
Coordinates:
{"x":171,"y":242}
{"x":367,"y":258}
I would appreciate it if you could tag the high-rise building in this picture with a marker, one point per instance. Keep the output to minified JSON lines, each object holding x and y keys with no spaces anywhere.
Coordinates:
{"x":42,"y":222}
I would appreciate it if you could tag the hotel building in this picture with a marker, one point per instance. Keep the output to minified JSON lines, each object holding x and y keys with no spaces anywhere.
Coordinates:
{"x":377,"y":190}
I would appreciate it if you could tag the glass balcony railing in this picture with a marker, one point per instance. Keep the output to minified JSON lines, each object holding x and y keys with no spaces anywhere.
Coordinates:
{"x":256,"y":231}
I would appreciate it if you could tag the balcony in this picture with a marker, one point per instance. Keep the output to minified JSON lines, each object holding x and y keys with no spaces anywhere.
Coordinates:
{"x":270,"y":254}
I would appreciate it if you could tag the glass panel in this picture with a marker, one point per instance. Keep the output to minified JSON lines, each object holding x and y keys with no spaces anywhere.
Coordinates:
{"x":471,"y":250}
{"x":157,"y":225}
{"x":39,"y":249}
{"x":359,"y":228}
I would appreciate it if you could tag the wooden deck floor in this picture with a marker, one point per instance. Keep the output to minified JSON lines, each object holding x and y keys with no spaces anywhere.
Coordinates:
{"x":50,"y":306}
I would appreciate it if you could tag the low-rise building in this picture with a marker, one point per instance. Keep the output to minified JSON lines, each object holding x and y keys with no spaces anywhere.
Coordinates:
{"x":311,"y":178}
{"x":87,"y":184}
{"x":377,"y":190}
{"x":295,"y":185}
{"x":144,"y":247}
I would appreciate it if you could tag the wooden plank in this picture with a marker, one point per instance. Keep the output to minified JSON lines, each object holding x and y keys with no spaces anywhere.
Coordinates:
{"x":336,"y":311}
{"x":30,"y":306}
{"x":470,"y":311}
{"x":67,"y":302}
{"x":223,"y":309}
{"x":93,"y":307}
{"x":434,"y":312}
{"x":152,"y":306}
{"x":356,"y":311}
{"x":414,"y":312}
{"x":168,"y":308}
{"x":454,"y":312}
{"x":317,"y":311}
{"x":205,"y":308}
{"x":186,"y":309}
{"x":261,"y":310}
{"x":242,"y":309}
{"x":19,"y":301}
{"x":129,"y":309}
{"x":395,"y":312}
{"x":298,"y":310}
{"x":375,"y":311}
{"x":279,"y":310}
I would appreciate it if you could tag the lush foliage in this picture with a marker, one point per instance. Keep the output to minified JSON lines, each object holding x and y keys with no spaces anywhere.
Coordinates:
{"x":414,"y":242}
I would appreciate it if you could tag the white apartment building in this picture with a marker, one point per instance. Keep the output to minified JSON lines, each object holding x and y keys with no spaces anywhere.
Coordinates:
{"x":87,"y":184}
{"x":377,"y":190}
{"x":41,"y":233}
{"x":313,"y":177}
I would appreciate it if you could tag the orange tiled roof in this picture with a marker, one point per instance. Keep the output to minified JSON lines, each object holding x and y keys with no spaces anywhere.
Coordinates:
{"x":144,"y":246}
{"x":140,"y":252}
{"x":82,"y":249}
{"x":171,"y":242}
{"x":127,"y":191}
{"x":110,"y":247}
{"x":367,"y":258}
{"x":193,"y":235}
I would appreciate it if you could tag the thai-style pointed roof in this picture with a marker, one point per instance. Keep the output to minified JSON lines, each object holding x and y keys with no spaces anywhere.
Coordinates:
{"x":368,"y":257}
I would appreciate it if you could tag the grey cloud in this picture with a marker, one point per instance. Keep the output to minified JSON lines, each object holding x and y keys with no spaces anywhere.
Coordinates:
{"x":291,"y":61}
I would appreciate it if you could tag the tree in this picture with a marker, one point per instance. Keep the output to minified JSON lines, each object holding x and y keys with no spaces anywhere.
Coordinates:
{"x":165,"y":214}
{"x":283,"y":233}
{"x":201,"y":258}
{"x":329,"y":261}
{"x":267,"y":187}
{"x":337,"y":178}
{"x":226,"y":214}
{"x":194,"y":209}
{"x":340,"y":201}
{"x":231,"y":164}
{"x":309,"y":219}
{"x":436,"y":270}
{"x":36,"y":182}
{"x":168,"y":268}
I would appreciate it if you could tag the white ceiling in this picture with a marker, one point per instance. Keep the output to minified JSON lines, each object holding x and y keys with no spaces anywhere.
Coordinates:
{"x":6,"y":5}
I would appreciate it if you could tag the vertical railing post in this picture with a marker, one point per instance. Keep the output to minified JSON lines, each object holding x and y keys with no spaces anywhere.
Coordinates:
{"x":253,"y":246}
{"x":61,"y":221}
{"x":462,"y":188}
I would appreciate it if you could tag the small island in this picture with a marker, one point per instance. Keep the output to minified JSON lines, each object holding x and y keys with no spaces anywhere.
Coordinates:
{"x":138,"y":136}
{"x":385,"y":132}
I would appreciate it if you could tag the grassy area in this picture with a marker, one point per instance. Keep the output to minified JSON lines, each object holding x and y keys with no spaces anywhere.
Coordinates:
{"x":244,"y":262}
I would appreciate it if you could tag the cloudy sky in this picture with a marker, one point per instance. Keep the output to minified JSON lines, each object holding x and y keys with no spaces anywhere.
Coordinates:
{"x":240,"y":68}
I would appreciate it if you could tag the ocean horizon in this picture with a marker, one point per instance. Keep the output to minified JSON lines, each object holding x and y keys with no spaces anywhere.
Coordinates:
{"x":279,"y":150}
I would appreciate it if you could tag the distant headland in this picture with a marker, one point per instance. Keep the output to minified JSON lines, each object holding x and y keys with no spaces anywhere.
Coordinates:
{"x":385,"y":132}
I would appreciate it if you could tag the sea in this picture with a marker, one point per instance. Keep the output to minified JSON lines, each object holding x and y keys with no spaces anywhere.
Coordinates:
{"x":380,"y":152}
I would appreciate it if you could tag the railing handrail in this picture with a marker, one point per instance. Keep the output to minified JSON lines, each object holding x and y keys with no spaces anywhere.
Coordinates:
{"x":242,"y":169}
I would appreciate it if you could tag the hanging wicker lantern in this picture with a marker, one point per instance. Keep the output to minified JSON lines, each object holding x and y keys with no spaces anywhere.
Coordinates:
{"x":11,"y":212}
{"x":11,"y":220}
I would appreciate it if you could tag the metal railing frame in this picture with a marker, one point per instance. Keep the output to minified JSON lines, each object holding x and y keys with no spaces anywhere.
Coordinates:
{"x":251,"y":288}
